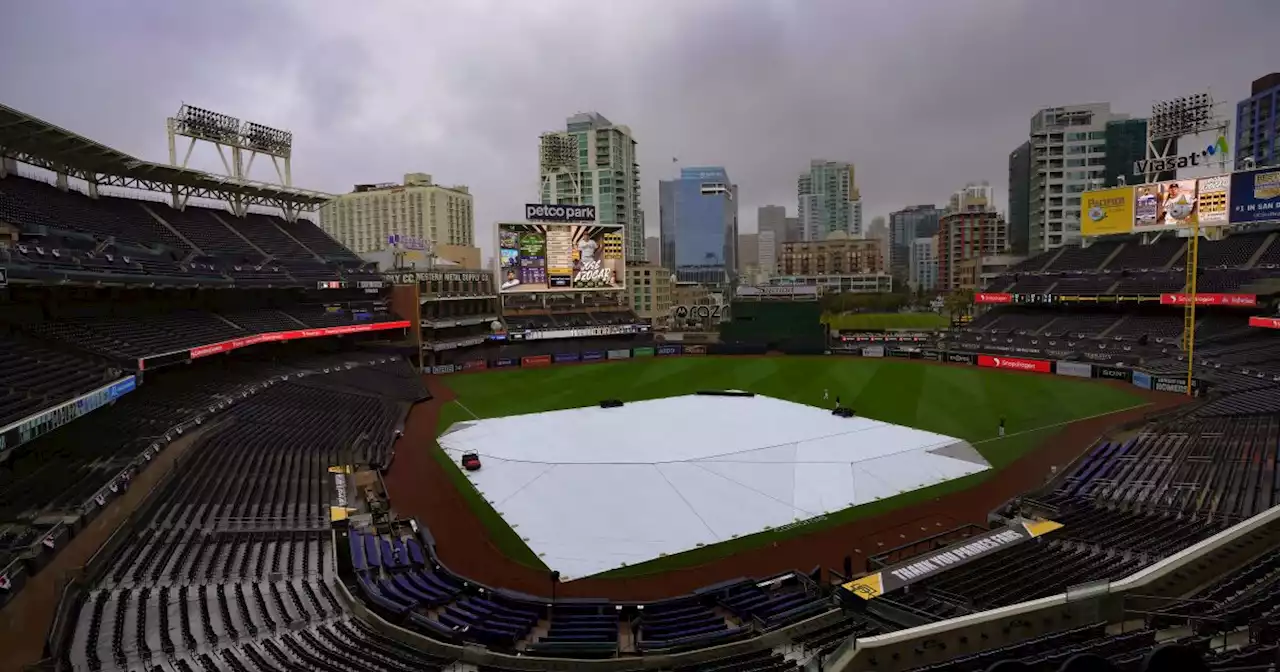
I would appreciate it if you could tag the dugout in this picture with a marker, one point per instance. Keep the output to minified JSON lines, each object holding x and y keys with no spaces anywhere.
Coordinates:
{"x":789,"y":326}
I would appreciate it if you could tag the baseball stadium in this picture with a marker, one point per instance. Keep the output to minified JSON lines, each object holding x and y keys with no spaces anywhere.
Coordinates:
{"x":229,"y":443}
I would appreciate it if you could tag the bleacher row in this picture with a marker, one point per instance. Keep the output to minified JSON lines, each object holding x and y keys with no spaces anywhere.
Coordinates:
{"x":1118,"y":254}
{"x":66,"y":233}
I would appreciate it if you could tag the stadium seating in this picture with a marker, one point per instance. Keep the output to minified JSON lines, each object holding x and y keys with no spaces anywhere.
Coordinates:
{"x":35,"y":376}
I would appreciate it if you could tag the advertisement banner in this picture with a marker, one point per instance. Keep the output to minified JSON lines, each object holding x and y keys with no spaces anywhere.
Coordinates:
{"x":22,"y":431}
{"x":873,"y":351}
{"x":1265,"y":322}
{"x":1255,"y":196}
{"x":234,"y":344}
{"x":1112,"y":373}
{"x":1106,"y":212}
{"x":1213,"y":200}
{"x":695,"y":349}
{"x":931,"y":355}
{"x":562,"y":357}
{"x":1076,"y":369}
{"x":505,"y":361}
{"x":1175,"y":385}
{"x":992,"y":297}
{"x":535,"y":361}
{"x":1141,"y":379}
{"x":961,"y":358}
{"x":928,"y":565}
{"x":642,"y":352}
{"x":560,"y":257}
{"x":442,"y":368}
{"x":1015,"y":364}
{"x":667,"y":350}
{"x":619,"y":354}
{"x":475,"y":365}
{"x":1241,"y":300}
{"x":1164,"y":205}
{"x":592,"y":356}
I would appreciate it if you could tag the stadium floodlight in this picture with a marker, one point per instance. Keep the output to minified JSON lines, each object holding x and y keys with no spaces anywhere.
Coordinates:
{"x":1177,"y":117}
{"x":202,"y":123}
{"x":265,"y":139}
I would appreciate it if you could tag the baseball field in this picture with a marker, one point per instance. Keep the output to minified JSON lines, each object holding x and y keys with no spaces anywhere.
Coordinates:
{"x":963,"y":402}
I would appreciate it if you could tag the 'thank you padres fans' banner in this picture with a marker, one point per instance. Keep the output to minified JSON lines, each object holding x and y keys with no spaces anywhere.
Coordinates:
{"x":1106,"y":212}
{"x":560,"y":257}
{"x":1255,"y":196}
{"x":922,"y":567}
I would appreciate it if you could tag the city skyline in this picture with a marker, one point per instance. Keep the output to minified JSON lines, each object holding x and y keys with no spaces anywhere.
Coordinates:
{"x":341,"y":83}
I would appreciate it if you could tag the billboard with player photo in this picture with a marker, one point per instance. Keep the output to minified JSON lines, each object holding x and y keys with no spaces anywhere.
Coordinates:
{"x":1175,"y":205}
{"x":557,"y":257}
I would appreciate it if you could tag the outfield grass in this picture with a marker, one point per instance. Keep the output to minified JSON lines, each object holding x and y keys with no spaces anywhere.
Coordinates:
{"x":957,"y":401}
{"x":880,"y":321}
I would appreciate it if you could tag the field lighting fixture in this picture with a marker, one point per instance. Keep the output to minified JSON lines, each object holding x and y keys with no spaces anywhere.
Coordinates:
{"x":1177,"y":117}
{"x":199,"y":122}
{"x":265,"y":139}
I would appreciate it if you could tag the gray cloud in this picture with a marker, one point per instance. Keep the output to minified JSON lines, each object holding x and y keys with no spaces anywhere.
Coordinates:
{"x":923,"y":95}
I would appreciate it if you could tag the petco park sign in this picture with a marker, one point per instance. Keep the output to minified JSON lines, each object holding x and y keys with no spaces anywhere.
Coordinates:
{"x":540,"y":212}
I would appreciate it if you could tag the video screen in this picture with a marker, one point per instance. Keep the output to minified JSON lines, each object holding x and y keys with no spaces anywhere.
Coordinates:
{"x":560,"y":257}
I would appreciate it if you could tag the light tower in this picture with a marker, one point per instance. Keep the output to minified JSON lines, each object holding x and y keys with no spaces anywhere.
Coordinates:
{"x":244,"y":141}
{"x":1170,"y":120}
{"x":558,"y":159}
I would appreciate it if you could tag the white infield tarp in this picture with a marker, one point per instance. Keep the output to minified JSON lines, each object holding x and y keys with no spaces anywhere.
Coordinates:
{"x":593,"y":489}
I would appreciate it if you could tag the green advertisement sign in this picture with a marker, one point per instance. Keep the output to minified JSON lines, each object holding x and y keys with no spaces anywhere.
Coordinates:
{"x":642,"y":352}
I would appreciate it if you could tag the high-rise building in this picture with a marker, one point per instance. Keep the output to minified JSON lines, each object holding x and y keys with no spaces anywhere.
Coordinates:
{"x":1020,"y":198}
{"x":878,"y":230}
{"x":792,"y":230}
{"x":839,"y":254}
{"x":829,"y":200}
{"x":923,"y":267}
{"x":748,"y":251}
{"x":649,"y":286}
{"x":1069,"y":156}
{"x":970,"y":229}
{"x":1127,"y":143}
{"x":769,"y":249}
{"x":653,"y":249}
{"x":418,"y":210}
{"x":593,"y":162}
{"x":916,"y":221}
{"x":698,"y":225}
{"x":1257,"y":129}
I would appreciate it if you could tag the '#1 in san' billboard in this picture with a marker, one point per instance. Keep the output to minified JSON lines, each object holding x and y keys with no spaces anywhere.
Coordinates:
{"x":557,"y":257}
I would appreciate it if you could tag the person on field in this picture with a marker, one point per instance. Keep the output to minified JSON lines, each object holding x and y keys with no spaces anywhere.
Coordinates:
{"x":825,"y":394}
{"x":1002,"y":426}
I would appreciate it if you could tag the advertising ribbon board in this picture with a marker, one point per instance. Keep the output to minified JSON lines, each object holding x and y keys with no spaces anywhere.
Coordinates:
{"x":534,"y":361}
{"x":667,"y":350}
{"x":695,"y":349}
{"x":592,"y":356}
{"x":505,"y":361}
{"x":925,"y":566}
{"x":442,"y":368}
{"x":1112,"y":373}
{"x":1242,"y":300}
{"x":276,"y":336}
{"x":642,"y":352}
{"x":475,"y":365}
{"x":1014,"y":364}
{"x":1255,"y":196}
{"x":1265,"y":322}
{"x":1141,"y":379}
{"x":563,"y":357}
{"x":1106,"y":212}
{"x":1076,"y":369}
{"x":961,"y":358}
{"x":619,"y":354}
{"x":992,"y":297}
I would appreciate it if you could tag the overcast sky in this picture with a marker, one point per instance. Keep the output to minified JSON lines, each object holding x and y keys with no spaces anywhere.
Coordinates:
{"x":923,"y":95}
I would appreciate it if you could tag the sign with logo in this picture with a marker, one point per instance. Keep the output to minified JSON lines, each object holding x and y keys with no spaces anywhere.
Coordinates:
{"x":992,"y":297}
{"x":1188,"y":160}
{"x":541,"y":212}
{"x":592,"y":356}
{"x":1175,"y":385}
{"x":1014,"y":364}
{"x":1213,"y":200}
{"x":667,"y":350}
{"x":277,"y":336}
{"x":695,"y":349}
{"x":929,"y":565}
{"x":562,"y":357}
{"x":961,"y":358}
{"x":413,"y":278}
{"x":442,"y":368}
{"x":1265,"y":322}
{"x":642,"y":352}
{"x":505,"y":361}
{"x":406,"y":242}
{"x":1141,"y":379}
{"x":535,"y":361}
{"x":619,"y":354}
{"x":1076,"y":369}
{"x":873,"y":351}
{"x":475,"y":365}
{"x":1165,"y":205}
{"x":1112,"y":373}
{"x":698,"y":312}
{"x":1243,"y":300}
{"x":1255,"y":196}
{"x":560,"y":257}
{"x":931,"y":355}
{"x":1106,"y":211}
